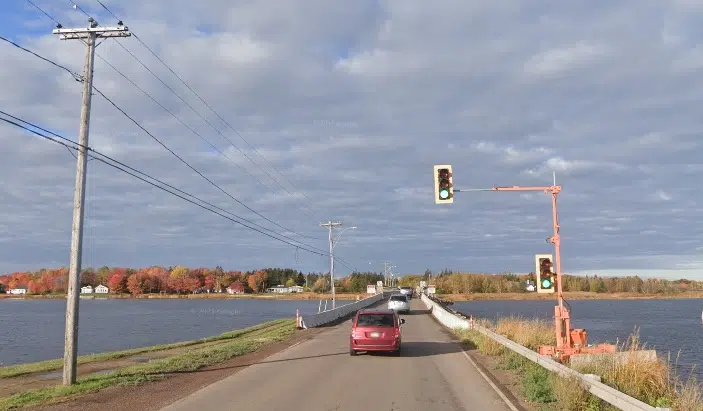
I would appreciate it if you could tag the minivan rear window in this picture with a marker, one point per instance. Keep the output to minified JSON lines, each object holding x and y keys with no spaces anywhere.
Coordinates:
{"x":398,"y":298}
{"x":375,"y":320}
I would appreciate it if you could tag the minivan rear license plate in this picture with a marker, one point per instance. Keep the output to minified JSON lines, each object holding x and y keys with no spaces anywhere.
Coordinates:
{"x":375,"y":335}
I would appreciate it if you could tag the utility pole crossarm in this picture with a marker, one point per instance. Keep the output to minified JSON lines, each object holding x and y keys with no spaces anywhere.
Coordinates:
{"x":99,"y":32}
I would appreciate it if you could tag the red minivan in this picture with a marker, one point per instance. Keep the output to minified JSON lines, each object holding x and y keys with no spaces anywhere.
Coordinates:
{"x":375,"y":329}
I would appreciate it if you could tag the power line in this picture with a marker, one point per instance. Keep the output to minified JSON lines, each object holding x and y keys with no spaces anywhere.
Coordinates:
{"x":207,"y":105}
{"x":197,"y":134}
{"x":134,"y":173}
{"x":77,"y":76}
{"x":181,"y":121}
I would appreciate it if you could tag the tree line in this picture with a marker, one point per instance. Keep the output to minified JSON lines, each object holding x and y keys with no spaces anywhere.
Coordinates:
{"x":449,"y":282}
{"x":182,"y":280}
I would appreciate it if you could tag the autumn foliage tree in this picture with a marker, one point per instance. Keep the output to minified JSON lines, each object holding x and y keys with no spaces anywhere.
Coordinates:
{"x":181,"y":280}
{"x":257,"y":281}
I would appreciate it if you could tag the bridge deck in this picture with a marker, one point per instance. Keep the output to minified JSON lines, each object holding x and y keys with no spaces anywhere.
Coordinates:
{"x":319,"y":374}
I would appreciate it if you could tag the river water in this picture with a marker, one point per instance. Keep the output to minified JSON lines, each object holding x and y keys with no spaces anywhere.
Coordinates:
{"x":669,"y":326}
{"x":33,"y":330}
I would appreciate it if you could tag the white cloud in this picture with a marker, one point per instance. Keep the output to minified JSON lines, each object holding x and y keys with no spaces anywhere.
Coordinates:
{"x":560,"y":60}
{"x":353,"y":103}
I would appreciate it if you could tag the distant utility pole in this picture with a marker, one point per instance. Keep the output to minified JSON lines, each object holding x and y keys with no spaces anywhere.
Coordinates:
{"x":331,"y":225}
{"x":388,"y":273}
{"x":89,"y":36}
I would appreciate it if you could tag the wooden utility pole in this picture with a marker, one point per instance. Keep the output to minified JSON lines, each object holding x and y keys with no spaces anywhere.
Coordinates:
{"x":88,"y":36}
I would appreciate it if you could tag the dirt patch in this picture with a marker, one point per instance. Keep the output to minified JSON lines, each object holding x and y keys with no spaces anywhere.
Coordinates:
{"x":14,"y":385}
{"x":155,"y":395}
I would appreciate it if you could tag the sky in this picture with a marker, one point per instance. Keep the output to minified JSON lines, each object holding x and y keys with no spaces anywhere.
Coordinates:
{"x":338,"y":111}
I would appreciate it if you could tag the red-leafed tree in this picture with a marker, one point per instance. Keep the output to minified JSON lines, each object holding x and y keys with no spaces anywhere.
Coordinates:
{"x":137,"y":283}
{"x":117,"y":282}
{"x":237,"y":286}
{"x":209,"y":281}
{"x":191,"y":284}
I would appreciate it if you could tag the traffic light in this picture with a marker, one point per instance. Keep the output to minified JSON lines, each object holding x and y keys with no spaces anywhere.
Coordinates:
{"x":443,"y":185}
{"x":546,"y":278}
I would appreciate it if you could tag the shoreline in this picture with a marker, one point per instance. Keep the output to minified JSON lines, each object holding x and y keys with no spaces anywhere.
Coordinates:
{"x":569,"y":296}
{"x":521,"y":296}
{"x":214,"y":296}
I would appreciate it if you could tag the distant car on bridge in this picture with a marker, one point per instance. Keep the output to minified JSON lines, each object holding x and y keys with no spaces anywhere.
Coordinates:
{"x":375,"y":330}
{"x":407,"y":291}
{"x":399,"y":303}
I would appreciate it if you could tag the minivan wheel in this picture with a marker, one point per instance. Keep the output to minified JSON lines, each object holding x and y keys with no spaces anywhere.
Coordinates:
{"x":352,"y":352}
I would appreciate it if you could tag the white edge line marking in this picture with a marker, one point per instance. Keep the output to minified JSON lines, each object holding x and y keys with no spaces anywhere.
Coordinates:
{"x":488,"y":380}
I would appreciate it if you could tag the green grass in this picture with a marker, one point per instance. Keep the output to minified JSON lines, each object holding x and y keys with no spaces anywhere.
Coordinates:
{"x":51,"y":365}
{"x":237,"y":343}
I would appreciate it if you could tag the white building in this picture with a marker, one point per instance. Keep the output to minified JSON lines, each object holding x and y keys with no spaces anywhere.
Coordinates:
{"x":101,"y":289}
{"x":296,"y":289}
{"x":88,"y":289}
{"x":17,"y":291}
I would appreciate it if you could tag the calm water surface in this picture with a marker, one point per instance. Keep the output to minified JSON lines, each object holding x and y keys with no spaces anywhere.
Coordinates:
{"x":33,"y":330}
{"x":665,"y":325}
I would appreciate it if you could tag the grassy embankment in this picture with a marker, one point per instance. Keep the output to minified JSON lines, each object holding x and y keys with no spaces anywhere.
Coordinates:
{"x":570,"y":295}
{"x":262,"y":296}
{"x":650,"y":381}
{"x":200,"y":353}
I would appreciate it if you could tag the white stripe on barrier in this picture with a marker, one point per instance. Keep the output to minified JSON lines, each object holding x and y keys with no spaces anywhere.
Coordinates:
{"x":600,"y":390}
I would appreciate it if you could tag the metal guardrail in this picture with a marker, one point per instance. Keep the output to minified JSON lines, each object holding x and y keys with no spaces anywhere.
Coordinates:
{"x":589,"y":383}
{"x":326,"y":317}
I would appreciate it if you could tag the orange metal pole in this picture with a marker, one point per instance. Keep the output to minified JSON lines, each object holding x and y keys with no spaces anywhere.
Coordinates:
{"x":562,"y":321}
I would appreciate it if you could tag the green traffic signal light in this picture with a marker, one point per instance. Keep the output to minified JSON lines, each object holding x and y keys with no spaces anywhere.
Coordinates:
{"x":443,"y":185}
{"x":546,"y":283}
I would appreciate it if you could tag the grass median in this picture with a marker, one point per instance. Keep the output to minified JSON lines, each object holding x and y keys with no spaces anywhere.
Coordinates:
{"x":199,"y":354}
{"x":653,"y":381}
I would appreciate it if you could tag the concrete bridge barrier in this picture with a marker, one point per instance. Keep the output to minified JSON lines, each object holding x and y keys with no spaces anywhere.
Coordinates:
{"x":590,"y":383}
{"x":331,"y":316}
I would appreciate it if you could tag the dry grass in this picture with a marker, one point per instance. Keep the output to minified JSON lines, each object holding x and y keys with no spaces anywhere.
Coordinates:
{"x":653,"y":381}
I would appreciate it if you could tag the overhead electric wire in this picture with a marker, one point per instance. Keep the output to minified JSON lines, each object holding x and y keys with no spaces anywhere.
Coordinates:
{"x":197,"y":134}
{"x":133,"y":172}
{"x":182,"y":122}
{"x":77,"y":76}
{"x":206,"y":104}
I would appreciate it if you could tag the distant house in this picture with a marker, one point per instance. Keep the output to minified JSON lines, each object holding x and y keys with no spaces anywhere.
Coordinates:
{"x":296,"y":289}
{"x":88,"y":289}
{"x":279,"y":289}
{"x":101,"y":289}
{"x":235,"y":288}
{"x":20,"y":290}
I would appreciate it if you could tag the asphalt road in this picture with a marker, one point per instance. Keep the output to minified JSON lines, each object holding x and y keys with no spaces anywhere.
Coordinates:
{"x":320,"y":375}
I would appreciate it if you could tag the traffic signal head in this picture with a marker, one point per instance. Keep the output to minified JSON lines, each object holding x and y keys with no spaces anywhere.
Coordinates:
{"x":443,"y":185}
{"x":546,"y":278}
{"x":546,"y":275}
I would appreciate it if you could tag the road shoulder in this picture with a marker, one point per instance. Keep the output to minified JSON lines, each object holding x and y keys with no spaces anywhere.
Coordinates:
{"x":155,"y":395}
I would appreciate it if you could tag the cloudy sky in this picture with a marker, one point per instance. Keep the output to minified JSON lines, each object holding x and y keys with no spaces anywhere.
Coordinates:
{"x":339,"y":110}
